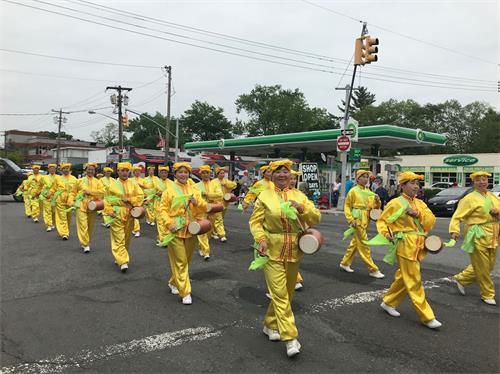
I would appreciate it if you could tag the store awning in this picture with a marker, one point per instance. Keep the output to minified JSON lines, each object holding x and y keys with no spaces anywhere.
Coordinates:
{"x":387,"y":136}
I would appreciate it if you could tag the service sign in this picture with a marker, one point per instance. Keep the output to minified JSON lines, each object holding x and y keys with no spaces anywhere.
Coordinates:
{"x":460,"y":160}
{"x":310,"y":175}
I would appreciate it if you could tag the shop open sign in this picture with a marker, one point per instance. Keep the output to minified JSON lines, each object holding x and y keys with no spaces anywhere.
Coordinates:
{"x":310,"y":175}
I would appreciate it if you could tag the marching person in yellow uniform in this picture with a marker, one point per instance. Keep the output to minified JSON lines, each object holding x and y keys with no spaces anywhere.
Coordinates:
{"x":406,"y":221}
{"x":277,"y":236}
{"x":60,"y":191}
{"x":49,"y":211}
{"x":149,"y":183}
{"x":106,"y":181}
{"x":357,"y":207}
{"x":123,"y":195}
{"x":294,"y":177}
{"x":480,"y":211}
{"x":210,"y":192}
{"x":23,"y":190}
{"x":259,"y":186}
{"x":86,"y":189}
{"x":35,"y":186}
{"x":136,"y":170}
{"x":180,"y":204}
{"x":159,"y":186}
{"x":226,"y":186}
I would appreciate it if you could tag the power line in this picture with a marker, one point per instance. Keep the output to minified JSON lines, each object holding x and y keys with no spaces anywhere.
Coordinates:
{"x":25,"y":114}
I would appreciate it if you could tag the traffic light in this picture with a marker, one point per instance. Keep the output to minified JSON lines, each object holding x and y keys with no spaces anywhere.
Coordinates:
{"x":365,"y":50}
{"x":125,"y":120}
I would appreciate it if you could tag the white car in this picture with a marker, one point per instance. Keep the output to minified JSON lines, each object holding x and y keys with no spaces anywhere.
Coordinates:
{"x":496,"y":190}
{"x":442,"y":185}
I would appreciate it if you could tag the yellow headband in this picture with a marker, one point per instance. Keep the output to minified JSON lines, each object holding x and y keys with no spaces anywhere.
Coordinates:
{"x":35,"y":166}
{"x":151,"y":167}
{"x":52,"y":165}
{"x":205,"y":168}
{"x":179,"y":165}
{"x":219,"y":169}
{"x":296,"y":173}
{"x":99,"y":175}
{"x":277,"y":164}
{"x":264,"y":168}
{"x":134,"y":168}
{"x":409,"y":176}
{"x":90,"y":164}
{"x":124,"y":166}
{"x":479,"y":174}
{"x":361,"y":172}
{"x":107,"y":168}
{"x":66,"y":165}
{"x":163,"y":168}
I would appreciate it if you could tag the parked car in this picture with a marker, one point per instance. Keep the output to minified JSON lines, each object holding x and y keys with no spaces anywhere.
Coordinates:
{"x":496,"y":190}
{"x":11,"y":176}
{"x":445,"y":202}
{"x":442,"y":185}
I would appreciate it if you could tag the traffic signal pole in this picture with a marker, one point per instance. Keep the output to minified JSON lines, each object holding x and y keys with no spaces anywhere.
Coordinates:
{"x":119,"y":89}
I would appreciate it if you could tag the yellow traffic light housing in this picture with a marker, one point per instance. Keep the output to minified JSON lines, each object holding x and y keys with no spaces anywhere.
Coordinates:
{"x":125,"y":120}
{"x":365,"y":50}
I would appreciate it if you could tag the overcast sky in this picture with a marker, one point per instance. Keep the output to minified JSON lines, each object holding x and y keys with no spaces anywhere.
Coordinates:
{"x":31,"y":84}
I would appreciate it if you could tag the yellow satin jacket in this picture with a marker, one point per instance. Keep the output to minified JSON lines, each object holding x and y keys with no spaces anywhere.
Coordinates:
{"x":91,"y":184}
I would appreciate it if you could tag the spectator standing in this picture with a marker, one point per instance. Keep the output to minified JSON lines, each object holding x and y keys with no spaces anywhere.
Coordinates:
{"x":336,"y":191}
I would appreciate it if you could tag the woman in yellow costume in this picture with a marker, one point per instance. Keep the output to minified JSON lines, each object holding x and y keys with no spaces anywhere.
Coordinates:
{"x":86,"y":189}
{"x":123,"y":195}
{"x":49,"y":211}
{"x":211,"y":193}
{"x":35,"y":186}
{"x":275,"y":228}
{"x":149,"y":183}
{"x":480,"y":211}
{"x":60,"y":192}
{"x":106,"y":181}
{"x":405,"y":222}
{"x":23,"y":190}
{"x":259,"y":186}
{"x":226,"y":186}
{"x":180,"y":204}
{"x":159,"y":186}
{"x":357,"y":207}
{"x":294,"y":177}
{"x":136,"y":170}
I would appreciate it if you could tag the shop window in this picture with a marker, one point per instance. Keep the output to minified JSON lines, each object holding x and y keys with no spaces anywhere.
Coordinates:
{"x":444,"y":177}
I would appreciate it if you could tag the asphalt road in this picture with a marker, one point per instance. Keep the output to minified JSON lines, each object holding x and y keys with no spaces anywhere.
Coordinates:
{"x":63,"y":311}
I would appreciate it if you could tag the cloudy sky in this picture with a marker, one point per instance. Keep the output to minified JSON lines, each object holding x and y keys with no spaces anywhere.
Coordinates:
{"x":453,"y":54}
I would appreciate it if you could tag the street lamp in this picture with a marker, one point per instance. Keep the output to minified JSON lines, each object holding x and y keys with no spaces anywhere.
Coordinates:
{"x":104,"y":115}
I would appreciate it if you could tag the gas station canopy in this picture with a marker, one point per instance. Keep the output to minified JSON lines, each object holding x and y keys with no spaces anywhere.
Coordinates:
{"x":386,"y":136}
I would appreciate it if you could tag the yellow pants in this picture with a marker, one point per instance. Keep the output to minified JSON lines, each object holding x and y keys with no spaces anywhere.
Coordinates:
{"x":49,"y":213}
{"x":299,"y":278}
{"x":357,"y":245}
{"x":85,"y":222}
{"x":27,"y":206}
{"x":121,"y":232}
{"x":35,"y":208}
{"x":217,"y":220}
{"x":408,"y":281}
{"x":137,"y":225}
{"x":63,"y":219}
{"x":281,"y":278}
{"x":180,"y":254}
{"x":150,"y":213}
{"x":160,"y":224}
{"x":204,"y":243}
{"x":482,"y":263}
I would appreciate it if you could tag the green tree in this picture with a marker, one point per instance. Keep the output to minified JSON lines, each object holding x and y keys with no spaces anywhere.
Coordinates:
{"x":53,"y":135}
{"x":107,"y":136}
{"x":13,"y":155}
{"x":146,"y":133}
{"x":203,"y":121}
{"x":361,"y":98}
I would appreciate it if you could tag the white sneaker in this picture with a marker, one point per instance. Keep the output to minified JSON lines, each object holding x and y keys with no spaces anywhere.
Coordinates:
{"x":124,"y":268}
{"x":35,"y":220}
{"x":206,"y":258}
{"x":268,"y":295}
{"x":490,"y":301}
{"x":137,"y":234}
{"x":346,"y":268}
{"x":153,"y":224}
{"x":200,"y":253}
{"x":292,"y":348}
{"x":273,"y":335}
{"x":433,"y":324}
{"x":108,"y":226}
{"x":103,"y":224}
{"x":148,"y":223}
{"x":65,"y":237}
{"x":460,"y":286}
{"x":215,"y":237}
{"x":298,"y":286}
{"x":390,"y":310}
{"x":86,"y":249}
{"x":174,"y":290}
{"x":187,"y":300}
{"x":377,"y":274}
{"x":49,"y":229}
{"x":223,"y":239}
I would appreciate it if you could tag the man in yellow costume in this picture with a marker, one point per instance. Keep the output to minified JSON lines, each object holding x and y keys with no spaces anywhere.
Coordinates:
{"x":123,"y":195}
{"x":136,"y":170}
{"x":106,"y":181}
{"x":149,"y":183}
{"x":275,"y":224}
{"x":259,"y":186}
{"x":226,"y":186}
{"x":480,"y":211}
{"x":49,"y":211}
{"x":86,"y":189}
{"x":23,"y":190}
{"x":35,"y":186}
{"x":180,"y":204}
{"x":405,"y":222}
{"x":159,"y":186}
{"x":357,"y":207}
{"x":60,"y":192}
{"x":211,"y":193}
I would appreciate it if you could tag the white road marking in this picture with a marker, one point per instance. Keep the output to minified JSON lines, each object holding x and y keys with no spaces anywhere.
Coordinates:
{"x":85,"y":358}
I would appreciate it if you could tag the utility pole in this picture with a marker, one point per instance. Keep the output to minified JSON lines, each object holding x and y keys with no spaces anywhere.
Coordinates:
{"x":177,"y":140}
{"x":60,"y":119}
{"x":118,"y":102}
{"x":168,"y":69}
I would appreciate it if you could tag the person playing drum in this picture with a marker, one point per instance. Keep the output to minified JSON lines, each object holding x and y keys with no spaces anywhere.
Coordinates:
{"x":86,"y":189}
{"x":480,"y":211}
{"x":226,"y":186}
{"x":60,"y":191}
{"x":357,"y":206}
{"x":180,"y":204}
{"x":35,"y":186}
{"x":258,"y":186}
{"x":23,"y":190}
{"x":137,"y":170}
{"x":149,"y":183}
{"x":49,"y":210}
{"x":106,"y":181}
{"x":406,"y":222}
{"x":210,"y":192}
{"x":123,"y":195}
{"x":294,"y":177}
{"x":159,"y":186}
{"x":277,"y":237}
